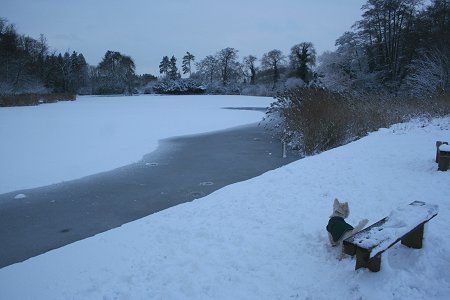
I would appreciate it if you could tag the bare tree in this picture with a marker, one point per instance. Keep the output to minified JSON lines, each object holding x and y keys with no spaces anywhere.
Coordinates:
{"x":346,"y":69}
{"x":272,"y":60}
{"x":431,"y":74}
{"x":228,"y":64}
{"x":303,"y":59}
{"x":385,"y":27}
{"x":208,"y":69}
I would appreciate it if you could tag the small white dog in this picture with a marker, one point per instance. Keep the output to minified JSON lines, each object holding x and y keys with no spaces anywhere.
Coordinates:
{"x":338,"y":229}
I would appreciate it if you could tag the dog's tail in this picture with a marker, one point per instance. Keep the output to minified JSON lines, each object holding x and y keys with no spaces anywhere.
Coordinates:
{"x":360,"y":226}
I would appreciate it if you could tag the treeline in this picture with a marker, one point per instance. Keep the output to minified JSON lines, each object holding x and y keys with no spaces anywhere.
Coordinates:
{"x":27,"y":66}
{"x":398,"y":47}
{"x":225,"y":73}
{"x":272,"y":68}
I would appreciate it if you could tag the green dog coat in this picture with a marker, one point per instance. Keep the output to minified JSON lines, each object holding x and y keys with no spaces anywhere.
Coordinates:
{"x":337,"y":227}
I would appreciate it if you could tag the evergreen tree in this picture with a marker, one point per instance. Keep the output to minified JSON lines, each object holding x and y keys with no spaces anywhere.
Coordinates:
{"x":26,"y":66}
{"x":81,"y":72}
{"x":173,"y":70}
{"x":164,"y":66}
{"x":115,"y":74}
{"x":187,"y":59}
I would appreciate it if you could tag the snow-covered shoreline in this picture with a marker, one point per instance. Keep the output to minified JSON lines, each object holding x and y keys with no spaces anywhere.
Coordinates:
{"x":265,"y":238}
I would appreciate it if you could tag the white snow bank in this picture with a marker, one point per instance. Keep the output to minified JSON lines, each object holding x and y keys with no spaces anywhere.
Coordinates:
{"x":57,"y":142}
{"x":265,"y":238}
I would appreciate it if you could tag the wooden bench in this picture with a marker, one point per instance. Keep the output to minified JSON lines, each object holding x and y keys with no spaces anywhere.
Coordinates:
{"x":405,"y":224}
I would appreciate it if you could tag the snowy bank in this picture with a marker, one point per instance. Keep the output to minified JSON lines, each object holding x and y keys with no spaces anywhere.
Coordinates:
{"x":265,"y":238}
{"x":57,"y":142}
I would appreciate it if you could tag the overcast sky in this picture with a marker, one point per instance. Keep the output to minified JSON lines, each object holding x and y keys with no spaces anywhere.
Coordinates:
{"x":147,"y":30}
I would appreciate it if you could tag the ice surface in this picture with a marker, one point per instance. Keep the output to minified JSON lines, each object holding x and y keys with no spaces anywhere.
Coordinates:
{"x":49,"y":144}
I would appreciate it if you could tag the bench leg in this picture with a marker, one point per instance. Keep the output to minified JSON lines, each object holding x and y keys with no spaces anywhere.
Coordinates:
{"x":375,"y":263}
{"x":363,"y":260}
{"x":348,"y":248}
{"x":414,"y":238}
{"x":443,"y":162}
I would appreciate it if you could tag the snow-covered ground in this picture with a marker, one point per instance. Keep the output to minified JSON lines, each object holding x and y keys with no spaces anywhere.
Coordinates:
{"x":57,"y":142}
{"x":265,"y":238}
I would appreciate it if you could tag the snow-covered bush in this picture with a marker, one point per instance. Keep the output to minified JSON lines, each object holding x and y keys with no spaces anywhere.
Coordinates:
{"x":430,"y":74}
{"x":257,"y":90}
{"x":218,"y":88}
{"x":294,"y":83}
{"x":178,"y":87}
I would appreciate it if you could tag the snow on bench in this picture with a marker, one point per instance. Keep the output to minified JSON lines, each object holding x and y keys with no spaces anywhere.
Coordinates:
{"x":405,"y":224}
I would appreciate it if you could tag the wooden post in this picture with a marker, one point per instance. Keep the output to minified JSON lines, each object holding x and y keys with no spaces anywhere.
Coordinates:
{"x":444,"y":160}
{"x":362,"y":257}
{"x":363,"y":260}
{"x":375,"y":263}
{"x":438,"y":144}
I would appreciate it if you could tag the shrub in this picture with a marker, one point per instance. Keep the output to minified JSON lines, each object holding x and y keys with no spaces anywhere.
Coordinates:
{"x":313,"y":120}
{"x":33,"y":99}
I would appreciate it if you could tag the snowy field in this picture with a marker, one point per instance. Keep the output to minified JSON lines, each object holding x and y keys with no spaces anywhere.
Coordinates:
{"x":57,"y":142}
{"x":265,"y":238}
